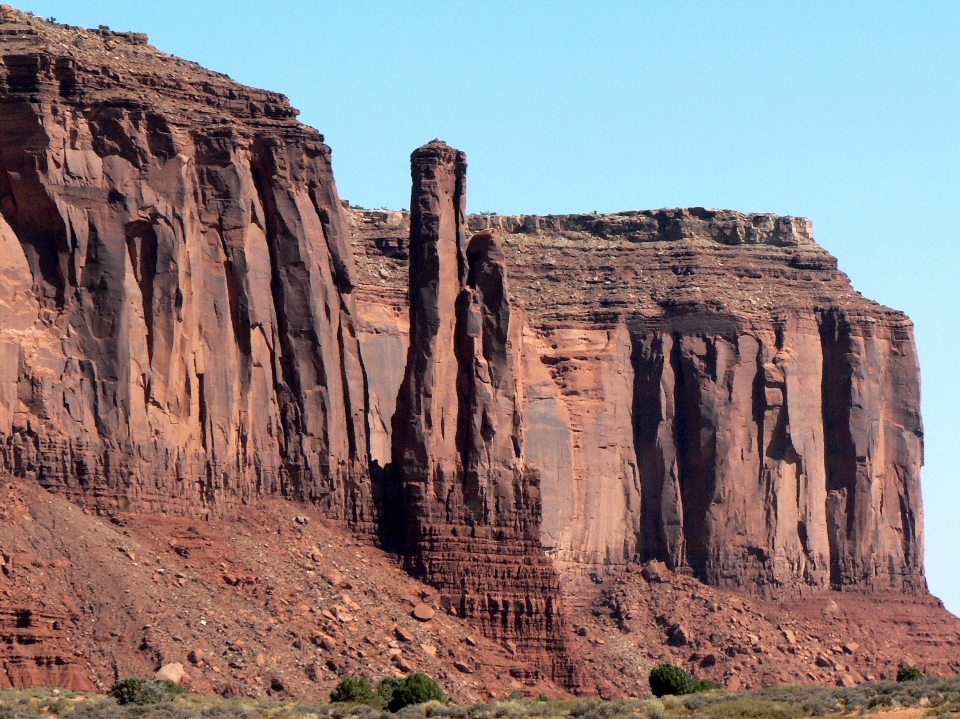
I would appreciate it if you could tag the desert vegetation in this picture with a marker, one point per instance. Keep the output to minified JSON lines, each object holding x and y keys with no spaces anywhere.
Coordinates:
{"x":392,"y":694}
{"x":935,"y":696}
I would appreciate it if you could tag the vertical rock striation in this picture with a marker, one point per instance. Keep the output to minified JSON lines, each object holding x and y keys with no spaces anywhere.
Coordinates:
{"x":471,"y":503}
{"x":177,"y":332}
{"x":773,"y":458}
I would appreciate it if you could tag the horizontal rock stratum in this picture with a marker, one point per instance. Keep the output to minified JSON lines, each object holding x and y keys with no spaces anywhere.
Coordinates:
{"x":193,"y":323}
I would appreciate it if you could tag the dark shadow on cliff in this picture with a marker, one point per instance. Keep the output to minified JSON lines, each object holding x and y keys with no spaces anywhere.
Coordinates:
{"x":389,"y":505}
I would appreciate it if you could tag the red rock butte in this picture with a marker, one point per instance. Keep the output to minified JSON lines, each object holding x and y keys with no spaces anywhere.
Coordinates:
{"x":524,"y":409}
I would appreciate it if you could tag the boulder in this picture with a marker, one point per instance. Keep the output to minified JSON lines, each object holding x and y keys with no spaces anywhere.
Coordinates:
{"x":423,"y":612}
{"x":654,"y":571}
{"x":678,"y":636}
{"x":173,"y":672}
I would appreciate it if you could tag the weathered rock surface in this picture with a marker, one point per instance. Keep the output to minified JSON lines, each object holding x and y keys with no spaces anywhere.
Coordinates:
{"x":471,"y":505}
{"x":177,"y":329}
{"x":37,"y":651}
{"x":704,"y":388}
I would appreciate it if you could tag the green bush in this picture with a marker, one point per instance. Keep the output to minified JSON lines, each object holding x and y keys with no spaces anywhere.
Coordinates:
{"x":355,"y":690}
{"x":417,"y":688}
{"x":669,"y":679}
{"x":143,"y":691}
{"x":908,"y":674}
{"x":704,"y":685}
{"x":386,"y":688}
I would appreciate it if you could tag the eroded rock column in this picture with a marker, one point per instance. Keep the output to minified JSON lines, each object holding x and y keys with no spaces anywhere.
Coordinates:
{"x":471,"y":503}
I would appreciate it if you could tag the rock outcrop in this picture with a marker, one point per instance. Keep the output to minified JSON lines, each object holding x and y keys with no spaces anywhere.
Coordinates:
{"x":177,"y":330}
{"x":36,"y":650}
{"x":704,"y":388}
{"x":471,"y":504}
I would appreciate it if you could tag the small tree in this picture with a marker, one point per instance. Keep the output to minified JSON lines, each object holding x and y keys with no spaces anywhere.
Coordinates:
{"x":669,"y":679}
{"x":417,"y":688}
{"x":908,"y":674}
{"x":386,"y":688}
{"x":355,"y":690}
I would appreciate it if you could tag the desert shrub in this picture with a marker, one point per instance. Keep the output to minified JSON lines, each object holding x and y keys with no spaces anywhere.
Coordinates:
{"x":814,"y":700}
{"x":821,"y":701}
{"x":143,"y":691}
{"x":669,"y":679}
{"x":908,"y":674}
{"x":755,"y":709}
{"x":16,"y":711}
{"x":594,"y":709}
{"x":385,"y":689}
{"x":416,"y":688}
{"x":55,"y":706}
{"x":355,"y":690}
{"x":589,"y":709}
{"x":411,"y":711}
{"x":363,"y":711}
{"x":704,"y":685}
{"x":696,"y":701}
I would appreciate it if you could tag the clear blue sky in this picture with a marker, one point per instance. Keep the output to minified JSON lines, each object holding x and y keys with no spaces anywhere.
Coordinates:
{"x":844,"y":112}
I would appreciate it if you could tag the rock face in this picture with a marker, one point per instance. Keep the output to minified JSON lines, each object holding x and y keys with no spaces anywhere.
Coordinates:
{"x":177,"y":329}
{"x":471,"y":504}
{"x":759,"y":467}
{"x":704,"y":388}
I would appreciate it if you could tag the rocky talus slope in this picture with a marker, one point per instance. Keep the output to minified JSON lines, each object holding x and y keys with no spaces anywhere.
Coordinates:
{"x":277,"y":601}
{"x":280,"y":602}
{"x":195,"y":329}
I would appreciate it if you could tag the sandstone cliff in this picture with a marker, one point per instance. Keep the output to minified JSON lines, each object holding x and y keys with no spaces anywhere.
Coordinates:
{"x":702,"y":387}
{"x":178,"y":330}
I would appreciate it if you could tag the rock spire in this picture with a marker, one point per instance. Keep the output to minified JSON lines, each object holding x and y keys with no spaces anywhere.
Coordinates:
{"x":471,"y":502}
